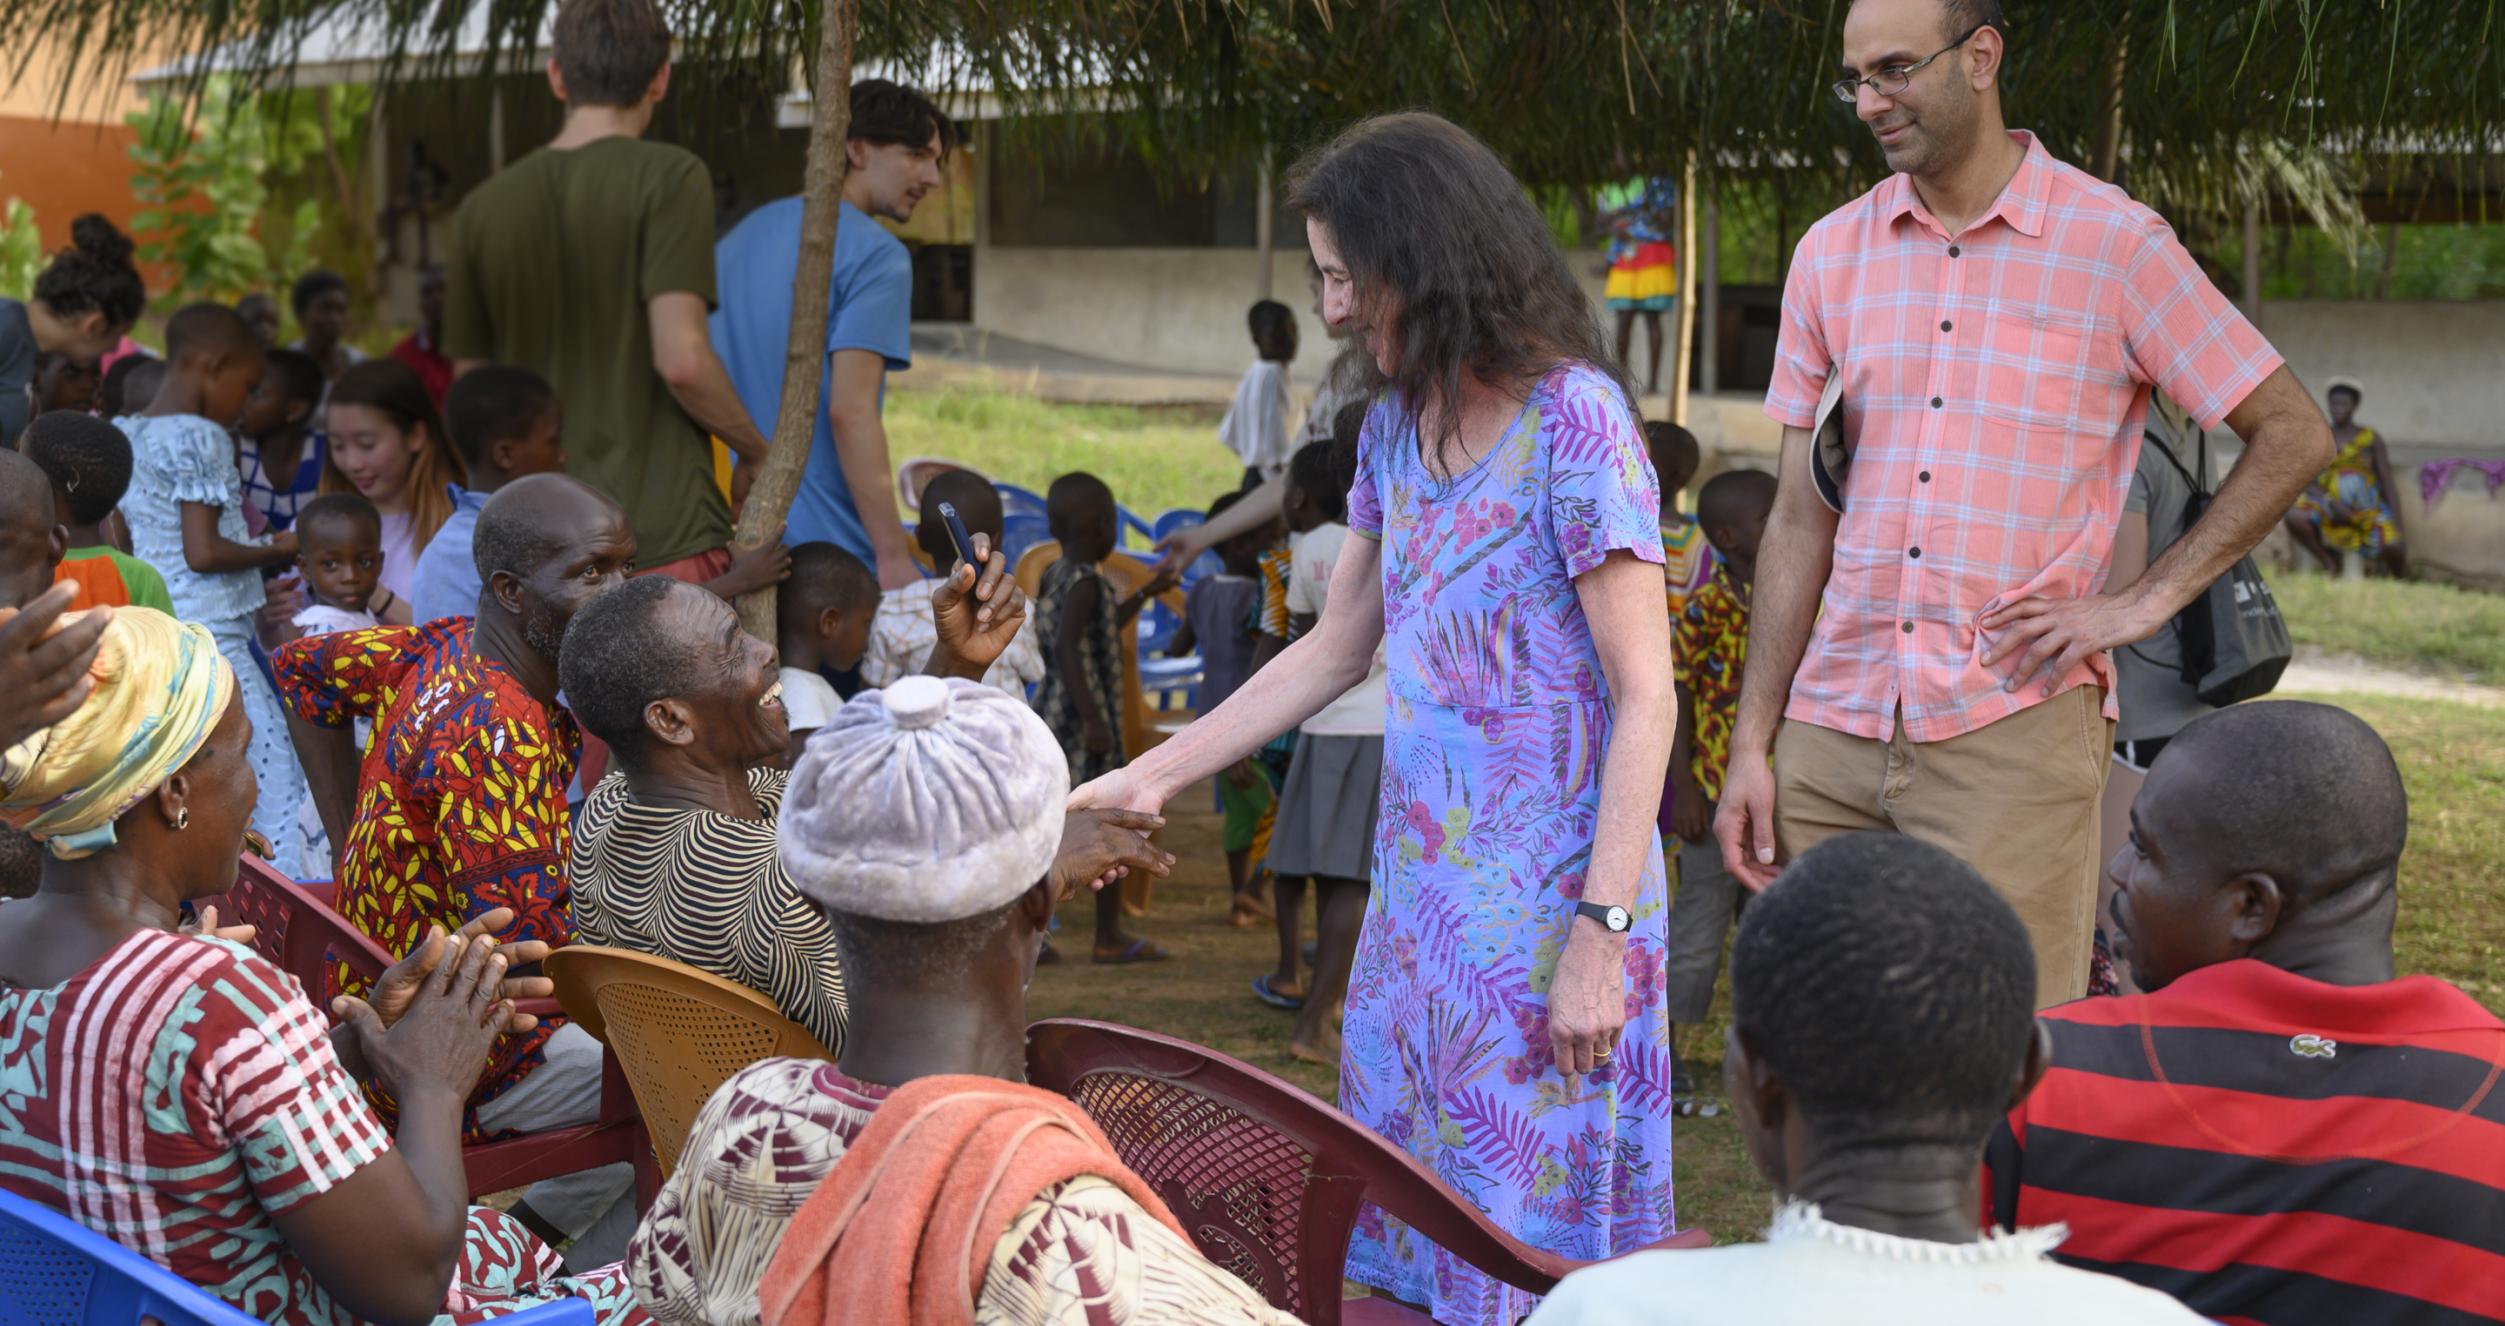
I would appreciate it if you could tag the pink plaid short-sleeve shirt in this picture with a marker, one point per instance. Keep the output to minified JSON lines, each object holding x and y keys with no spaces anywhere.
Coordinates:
{"x":1995,"y":382}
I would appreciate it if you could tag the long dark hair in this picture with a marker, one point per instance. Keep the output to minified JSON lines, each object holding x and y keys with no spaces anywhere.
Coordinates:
{"x":393,"y":388}
{"x":1427,"y":217}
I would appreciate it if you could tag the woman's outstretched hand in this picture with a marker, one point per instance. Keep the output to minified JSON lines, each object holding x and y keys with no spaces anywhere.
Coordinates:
{"x":1587,"y":1000}
{"x":1123,"y":789}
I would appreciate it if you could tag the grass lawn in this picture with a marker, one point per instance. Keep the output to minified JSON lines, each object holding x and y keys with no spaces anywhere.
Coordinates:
{"x":1154,"y":460}
{"x":2398,"y":624}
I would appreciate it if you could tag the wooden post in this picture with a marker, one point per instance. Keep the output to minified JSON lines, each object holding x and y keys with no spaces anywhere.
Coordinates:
{"x":1265,"y":221}
{"x":1709,"y":301}
{"x":1681,"y":347}
{"x":804,"y":361}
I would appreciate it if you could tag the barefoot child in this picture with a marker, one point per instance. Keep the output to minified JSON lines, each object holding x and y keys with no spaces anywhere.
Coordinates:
{"x":1219,"y":623}
{"x":88,"y":462}
{"x":185,"y":511}
{"x":1080,"y":620}
{"x":1327,"y":811}
{"x":822,"y":623}
{"x":1709,"y":645}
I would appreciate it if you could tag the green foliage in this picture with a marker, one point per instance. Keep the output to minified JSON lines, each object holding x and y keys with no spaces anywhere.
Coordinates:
{"x":203,"y":181}
{"x":2426,"y":262}
{"x":21,"y":247}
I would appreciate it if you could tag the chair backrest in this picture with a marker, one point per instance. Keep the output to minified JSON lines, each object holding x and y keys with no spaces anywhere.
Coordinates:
{"x":296,"y":927}
{"x":1266,"y":1178}
{"x":55,"y":1271}
{"x":676,"y":1032}
{"x":1016,"y":501}
{"x":915,"y":474}
{"x":1021,"y":532}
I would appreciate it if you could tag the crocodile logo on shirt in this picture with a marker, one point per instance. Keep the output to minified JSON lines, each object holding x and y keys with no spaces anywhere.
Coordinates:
{"x":2306,"y":1045}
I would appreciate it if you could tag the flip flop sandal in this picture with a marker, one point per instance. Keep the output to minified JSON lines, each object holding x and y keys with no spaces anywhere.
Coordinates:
{"x":1263,"y":992}
{"x":1138,"y":950}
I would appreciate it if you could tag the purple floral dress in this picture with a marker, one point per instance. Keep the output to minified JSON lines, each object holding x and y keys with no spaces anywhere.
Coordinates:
{"x":1496,"y":721}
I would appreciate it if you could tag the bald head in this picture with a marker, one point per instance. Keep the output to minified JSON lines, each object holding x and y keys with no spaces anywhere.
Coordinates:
{"x":531,"y":518}
{"x":2305,"y":793}
{"x":546,"y":545}
{"x":31,"y":540}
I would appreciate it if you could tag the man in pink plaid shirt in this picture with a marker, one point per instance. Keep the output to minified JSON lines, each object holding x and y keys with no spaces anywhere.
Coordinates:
{"x":1933,"y":659}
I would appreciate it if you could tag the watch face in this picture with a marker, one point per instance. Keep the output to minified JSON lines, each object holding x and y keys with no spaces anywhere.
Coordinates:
{"x":1618,"y":919}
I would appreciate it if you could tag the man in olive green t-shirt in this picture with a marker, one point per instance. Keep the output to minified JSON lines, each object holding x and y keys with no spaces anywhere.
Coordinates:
{"x":590,"y":262}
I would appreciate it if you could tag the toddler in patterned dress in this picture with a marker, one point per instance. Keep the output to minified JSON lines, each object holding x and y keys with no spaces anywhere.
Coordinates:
{"x":185,"y":511}
{"x":1079,"y":619}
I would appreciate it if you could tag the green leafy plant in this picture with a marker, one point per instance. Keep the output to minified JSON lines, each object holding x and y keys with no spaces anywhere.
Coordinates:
{"x":21,"y":247}
{"x":203,"y":182}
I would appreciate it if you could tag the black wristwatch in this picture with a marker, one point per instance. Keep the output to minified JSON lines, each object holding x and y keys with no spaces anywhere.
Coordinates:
{"x":1614,"y":919}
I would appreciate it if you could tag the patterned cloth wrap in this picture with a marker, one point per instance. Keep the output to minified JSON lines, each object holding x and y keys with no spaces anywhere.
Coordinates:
{"x":160,"y":686}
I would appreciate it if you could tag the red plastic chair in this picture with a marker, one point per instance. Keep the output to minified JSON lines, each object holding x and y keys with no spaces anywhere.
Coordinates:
{"x":297,"y":930}
{"x":1267,"y":1178}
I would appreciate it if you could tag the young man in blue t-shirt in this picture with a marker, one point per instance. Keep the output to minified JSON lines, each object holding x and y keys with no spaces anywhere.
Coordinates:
{"x":895,"y":144}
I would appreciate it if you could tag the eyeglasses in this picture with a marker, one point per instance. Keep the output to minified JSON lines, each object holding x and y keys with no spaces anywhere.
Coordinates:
{"x":1892,"y":80}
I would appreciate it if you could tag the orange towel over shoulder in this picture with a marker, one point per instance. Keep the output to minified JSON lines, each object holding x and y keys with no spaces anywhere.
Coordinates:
{"x":903,"y":1229}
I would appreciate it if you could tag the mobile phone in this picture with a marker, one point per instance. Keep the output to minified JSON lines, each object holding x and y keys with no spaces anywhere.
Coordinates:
{"x":958,"y":536}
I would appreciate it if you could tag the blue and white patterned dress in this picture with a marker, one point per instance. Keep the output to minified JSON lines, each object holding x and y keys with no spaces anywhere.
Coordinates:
{"x":1496,"y":725}
{"x":178,"y":458}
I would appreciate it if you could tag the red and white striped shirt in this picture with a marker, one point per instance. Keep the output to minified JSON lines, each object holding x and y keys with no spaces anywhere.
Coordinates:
{"x":1995,"y":381}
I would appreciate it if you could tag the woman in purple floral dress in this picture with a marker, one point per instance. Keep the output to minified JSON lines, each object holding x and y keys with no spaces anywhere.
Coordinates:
{"x":1504,"y":1019}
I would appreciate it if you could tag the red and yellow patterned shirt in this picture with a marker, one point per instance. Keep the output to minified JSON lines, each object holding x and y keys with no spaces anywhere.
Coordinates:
{"x":460,"y":803}
{"x":1708,"y":649}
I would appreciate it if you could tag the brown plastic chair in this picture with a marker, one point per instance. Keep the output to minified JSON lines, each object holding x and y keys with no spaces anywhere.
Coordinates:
{"x":296,"y":929}
{"x":678,"y":1032}
{"x":1268,"y":1178}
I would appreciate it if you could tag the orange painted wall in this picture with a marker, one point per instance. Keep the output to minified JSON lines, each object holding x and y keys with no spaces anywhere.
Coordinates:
{"x":80,"y":162}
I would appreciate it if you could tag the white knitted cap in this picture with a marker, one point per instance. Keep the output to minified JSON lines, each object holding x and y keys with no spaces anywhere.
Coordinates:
{"x":926,"y":802}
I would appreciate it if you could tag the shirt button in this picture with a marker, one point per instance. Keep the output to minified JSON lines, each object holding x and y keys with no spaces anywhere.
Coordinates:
{"x":1925,"y":476}
{"x":1945,"y":324}
{"x":1915,"y":553}
{"x":1952,"y":250}
{"x":1935,"y":402}
{"x":1909,"y":628}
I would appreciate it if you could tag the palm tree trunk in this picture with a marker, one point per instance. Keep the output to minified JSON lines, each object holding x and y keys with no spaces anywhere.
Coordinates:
{"x":804,"y":361}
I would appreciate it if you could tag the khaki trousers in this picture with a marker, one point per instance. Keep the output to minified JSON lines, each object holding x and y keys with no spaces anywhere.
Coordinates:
{"x":2016,"y":800}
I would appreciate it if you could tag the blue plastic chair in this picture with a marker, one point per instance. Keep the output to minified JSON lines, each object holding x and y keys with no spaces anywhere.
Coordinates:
{"x":1019,"y":532}
{"x":55,"y":1271}
{"x":1128,"y":524}
{"x":1016,"y":501}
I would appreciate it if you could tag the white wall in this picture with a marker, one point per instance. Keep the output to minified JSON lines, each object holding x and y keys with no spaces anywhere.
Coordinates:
{"x":1175,"y":309}
{"x":2433,"y":371}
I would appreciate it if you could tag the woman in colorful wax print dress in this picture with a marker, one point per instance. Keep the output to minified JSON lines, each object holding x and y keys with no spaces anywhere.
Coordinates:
{"x":1504,"y":1019}
{"x":178,"y":1094}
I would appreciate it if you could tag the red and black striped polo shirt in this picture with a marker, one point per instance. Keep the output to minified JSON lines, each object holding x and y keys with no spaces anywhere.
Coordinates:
{"x":2268,"y":1148}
